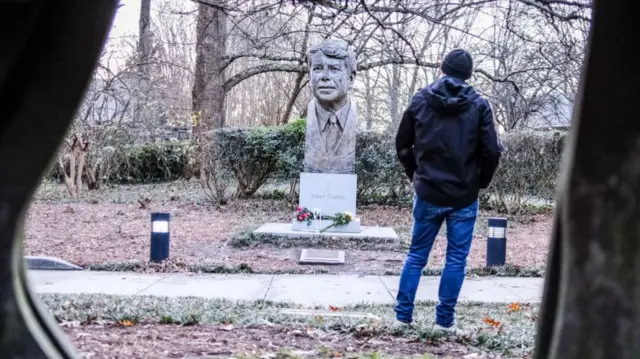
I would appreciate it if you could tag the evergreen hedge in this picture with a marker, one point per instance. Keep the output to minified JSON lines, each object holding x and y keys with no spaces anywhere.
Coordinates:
{"x":527,"y":172}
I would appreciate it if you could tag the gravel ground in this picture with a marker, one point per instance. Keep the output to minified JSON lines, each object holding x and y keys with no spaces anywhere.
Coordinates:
{"x":111,"y":226}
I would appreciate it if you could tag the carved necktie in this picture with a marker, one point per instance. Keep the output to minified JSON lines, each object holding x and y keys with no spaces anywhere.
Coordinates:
{"x":332,"y":132}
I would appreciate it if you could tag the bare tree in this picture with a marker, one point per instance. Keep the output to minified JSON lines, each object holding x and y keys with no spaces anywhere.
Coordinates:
{"x":250,"y":57}
{"x":209,"y":86}
{"x":144,"y":38}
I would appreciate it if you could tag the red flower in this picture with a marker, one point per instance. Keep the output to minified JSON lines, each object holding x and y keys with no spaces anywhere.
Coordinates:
{"x":305,"y":215}
{"x":299,"y":209}
{"x":300,"y":218}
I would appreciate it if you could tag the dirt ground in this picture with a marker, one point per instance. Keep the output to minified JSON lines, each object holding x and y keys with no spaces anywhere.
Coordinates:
{"x":96,"y":231}
{"x":209,"y":341}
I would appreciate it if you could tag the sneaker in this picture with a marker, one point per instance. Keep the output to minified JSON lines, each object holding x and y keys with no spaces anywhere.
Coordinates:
{"x":453,"y":329}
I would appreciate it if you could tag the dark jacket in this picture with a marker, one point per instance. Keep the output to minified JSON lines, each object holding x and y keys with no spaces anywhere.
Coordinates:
{"x":448,"y":144}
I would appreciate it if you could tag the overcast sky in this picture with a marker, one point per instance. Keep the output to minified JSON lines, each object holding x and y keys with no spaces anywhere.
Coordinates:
{"x":126,"y":20}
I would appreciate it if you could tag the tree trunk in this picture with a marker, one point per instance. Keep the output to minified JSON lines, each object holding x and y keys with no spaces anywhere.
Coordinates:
{"x":208,"y":94}
{"x":368,"y":98}
{"x":298,"y":82}
{"x":208,"y":88}
{"x":144,"y":58}
{"x":594,"y":312}
{"x":394,"y":98}
{"x":144,"y":41}
{"x":414,"y":76}
{"x":297,"y":87}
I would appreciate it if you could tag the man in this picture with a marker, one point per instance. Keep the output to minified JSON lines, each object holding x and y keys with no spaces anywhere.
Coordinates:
{"x":330,"y":142}
{"x":449,"y":149}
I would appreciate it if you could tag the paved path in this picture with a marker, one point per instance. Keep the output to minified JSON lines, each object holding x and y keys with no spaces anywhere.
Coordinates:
{"x":300,"y":289}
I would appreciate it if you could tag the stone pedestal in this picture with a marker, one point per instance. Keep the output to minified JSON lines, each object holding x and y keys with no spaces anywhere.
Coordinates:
{"x":315,"y":226}
{"x":329,"y":194}
{"x":328,"y":185}
{"x":284,"y":230}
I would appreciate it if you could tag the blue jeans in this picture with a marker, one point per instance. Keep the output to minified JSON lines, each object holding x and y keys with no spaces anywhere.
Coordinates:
{"x":428,"y":219}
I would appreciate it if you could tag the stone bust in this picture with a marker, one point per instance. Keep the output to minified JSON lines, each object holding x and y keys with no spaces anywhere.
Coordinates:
{"x":330,"y":142}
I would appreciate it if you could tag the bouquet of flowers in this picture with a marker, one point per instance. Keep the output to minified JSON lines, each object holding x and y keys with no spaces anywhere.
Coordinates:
{"x":303,"y":214}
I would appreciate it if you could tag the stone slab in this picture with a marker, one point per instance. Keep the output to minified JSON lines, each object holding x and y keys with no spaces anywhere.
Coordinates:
{"x":351,"y":227}
{"x":329,"y":193}
{"x":473,"y":290}
{"x":326,"y":290}
{"x":328,"y":313}
{"x":285,"y":230}
{"x":321,"y":256}
{"x":231,"y":287}
{"x":49,"y":263}
{"x":87,"y":282}
{"x":528,"y":290}
{"x":311,"y":290}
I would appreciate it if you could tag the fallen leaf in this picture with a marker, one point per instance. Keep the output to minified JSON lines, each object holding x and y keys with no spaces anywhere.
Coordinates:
{"x":333,"y":309}
{"x":492,"y":322}
{"x":514,"y":307}
{"x":127,"y":323}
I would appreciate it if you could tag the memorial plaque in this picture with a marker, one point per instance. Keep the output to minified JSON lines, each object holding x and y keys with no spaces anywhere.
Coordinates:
{"x":329,"y":193}
{"x":321,"y":256}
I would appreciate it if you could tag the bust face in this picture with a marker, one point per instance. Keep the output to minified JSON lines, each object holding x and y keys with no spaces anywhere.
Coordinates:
{"x":330,"y":79}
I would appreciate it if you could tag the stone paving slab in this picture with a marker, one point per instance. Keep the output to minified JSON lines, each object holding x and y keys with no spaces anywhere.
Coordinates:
{"x":309,"y":290}
{"x":325,"y":290}
{"x":78,"y":282}
{"x":476,"y":289}
{"x":232,"y":287}
{"x":526,"y":290}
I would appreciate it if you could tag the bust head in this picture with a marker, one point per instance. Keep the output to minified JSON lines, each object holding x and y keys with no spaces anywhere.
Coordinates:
{"x":332,"y":70}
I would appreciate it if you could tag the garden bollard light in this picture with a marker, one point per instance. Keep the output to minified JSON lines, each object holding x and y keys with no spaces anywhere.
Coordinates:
{"x":160,"y":236}
{"x":497,"y":242}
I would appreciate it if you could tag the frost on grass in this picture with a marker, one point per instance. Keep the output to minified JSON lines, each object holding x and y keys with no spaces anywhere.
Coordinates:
{"x":496,"y":327}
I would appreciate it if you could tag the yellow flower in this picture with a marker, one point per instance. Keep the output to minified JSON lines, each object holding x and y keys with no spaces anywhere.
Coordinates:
{"x":349,"y":216}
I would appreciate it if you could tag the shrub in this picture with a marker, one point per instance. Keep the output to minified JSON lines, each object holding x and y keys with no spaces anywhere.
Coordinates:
{"x":526,"y":176}
{"x":527,"y":172}
{"x":153,"y":162}
{"x":381,"y":178}
{"x":256,"y":154}
{"x":147,"y":163}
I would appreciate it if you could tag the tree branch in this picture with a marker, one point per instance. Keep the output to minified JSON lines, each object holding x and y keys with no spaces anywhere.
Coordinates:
{"x":540,"y":5}
{"x":261,"y":69}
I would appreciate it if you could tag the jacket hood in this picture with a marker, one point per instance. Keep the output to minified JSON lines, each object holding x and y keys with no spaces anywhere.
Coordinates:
{"x":449,"y":95}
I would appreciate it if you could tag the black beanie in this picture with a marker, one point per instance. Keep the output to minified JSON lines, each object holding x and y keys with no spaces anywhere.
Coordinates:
{"x":458,"y":63}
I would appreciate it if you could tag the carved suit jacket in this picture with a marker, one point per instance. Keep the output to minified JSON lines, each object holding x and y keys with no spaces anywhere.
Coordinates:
{"x":320,"y":159}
